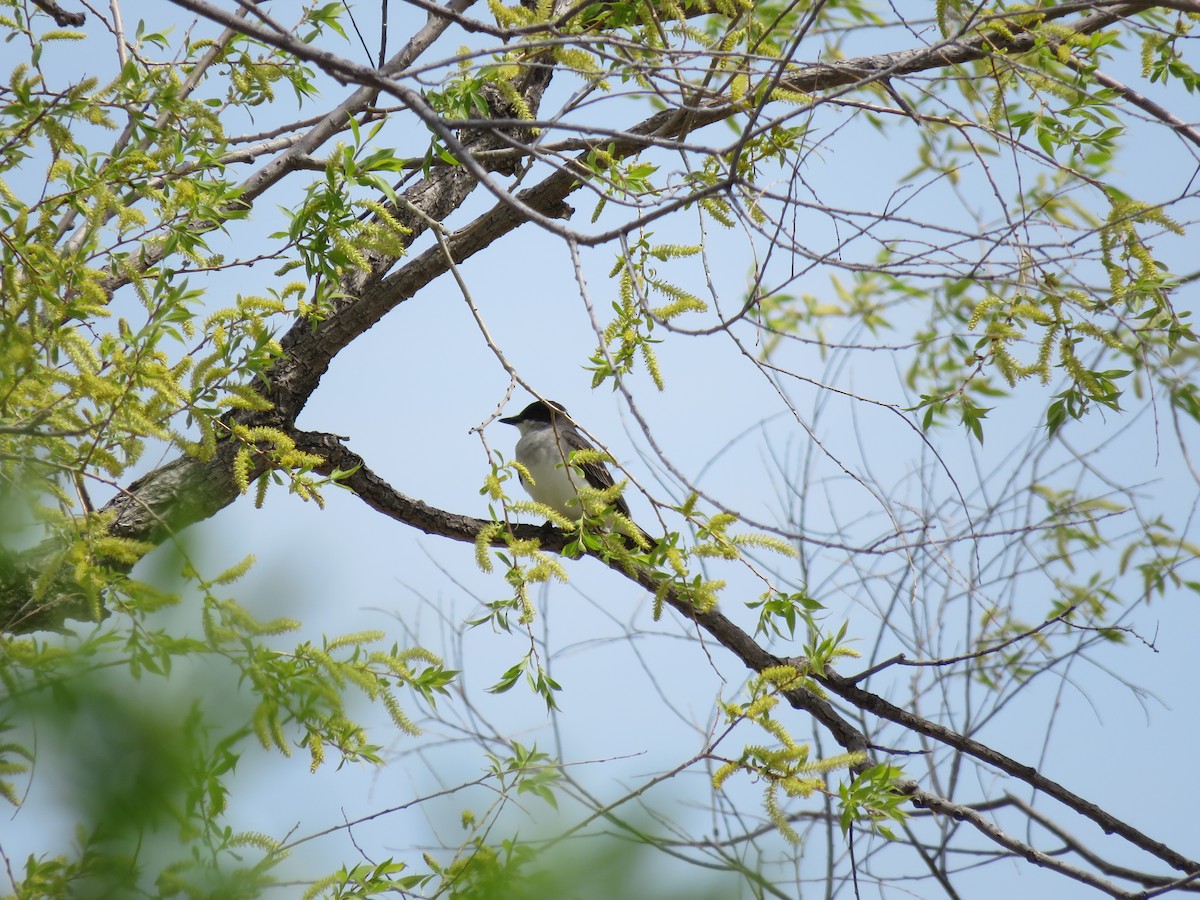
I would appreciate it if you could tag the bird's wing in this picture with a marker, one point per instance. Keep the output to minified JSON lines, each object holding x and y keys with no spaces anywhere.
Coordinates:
{"x":595,"y":473}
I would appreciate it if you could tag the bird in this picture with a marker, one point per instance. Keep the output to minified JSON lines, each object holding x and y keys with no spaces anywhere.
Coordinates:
{"x":548,"y":438}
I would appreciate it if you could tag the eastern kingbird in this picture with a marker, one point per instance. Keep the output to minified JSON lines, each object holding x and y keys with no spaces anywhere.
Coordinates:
{"x":548,"y":438}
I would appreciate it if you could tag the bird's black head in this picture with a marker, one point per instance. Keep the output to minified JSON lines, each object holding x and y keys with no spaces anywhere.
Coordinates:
{"x":537,"y":411}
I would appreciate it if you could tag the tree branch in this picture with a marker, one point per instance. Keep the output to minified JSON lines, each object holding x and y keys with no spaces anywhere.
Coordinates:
{"x":61,"y":17}
{"x":1020,"y":848}
{"x":876,"y":705}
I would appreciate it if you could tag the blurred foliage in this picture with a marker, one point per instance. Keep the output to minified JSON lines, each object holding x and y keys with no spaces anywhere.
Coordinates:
{"x":140,"y":720}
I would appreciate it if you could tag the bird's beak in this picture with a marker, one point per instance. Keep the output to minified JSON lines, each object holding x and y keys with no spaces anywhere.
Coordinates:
{"x":511,"y":420}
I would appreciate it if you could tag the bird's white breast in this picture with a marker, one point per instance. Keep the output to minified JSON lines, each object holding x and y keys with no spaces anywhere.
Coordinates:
{"x":552,"y":485}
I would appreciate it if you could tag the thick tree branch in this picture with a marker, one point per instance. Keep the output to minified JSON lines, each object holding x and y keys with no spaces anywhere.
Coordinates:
{"x":61,"y":17}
